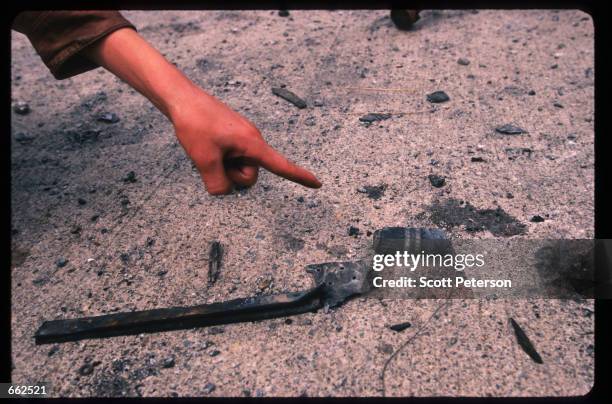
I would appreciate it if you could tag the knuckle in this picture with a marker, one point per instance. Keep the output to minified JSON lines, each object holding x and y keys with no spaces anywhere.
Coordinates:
{"x":219,"y":190}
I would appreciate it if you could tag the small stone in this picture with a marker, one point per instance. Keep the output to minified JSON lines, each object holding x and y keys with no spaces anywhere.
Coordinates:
{"x":81,"y":201}
{"x":214,"y":352}
{"x":554,"y":66}
{"x":300,"y":199}
{"x":374,"y":117}
{"x":536,"y":219}
{"x":288,"y":321}
{"x":209,"y":388}
{"x":108,"y":117}
{"x":531,"y":92}
{"x":510,"y":130}
{"x":477,"y":159}
{"x":21,"y":108}
{"x":400,"y":327}
{"x":283,"y":13}
{"x":62,"y":262}
{"x":306,"y":321}
{"x":162,"y":272}
{"x":130,"y":177}
{"x":558,"y":104}
{"x":310,"y":121}
{"x":463,"y":61}
{"x":169,"y":362}
{"x":353,"y":231}
{"x":436,"y":180}
{"x":437,"y":97}
{"x":373,"y":191}
{"x":125,"y":257}
{"x":509,"y":195}
{"x":318,"y":103}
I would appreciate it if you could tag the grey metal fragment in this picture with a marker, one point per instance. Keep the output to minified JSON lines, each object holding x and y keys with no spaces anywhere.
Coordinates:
{"x":525,"y":343}
{"x":215,"y":256}
{"x":437,"y":97}
{"x":108,"y":117}
{"x":21,"y":108}
{"x":289,"y":96}
{"x":400,"y":327}
{"x":374,"y":117}
{"x":510,"y":130}
{"x":436,"y":180}
{"x":209,"y":388}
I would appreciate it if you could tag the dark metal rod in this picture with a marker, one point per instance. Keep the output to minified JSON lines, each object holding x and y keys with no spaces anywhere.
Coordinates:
{"x":175,"y":318}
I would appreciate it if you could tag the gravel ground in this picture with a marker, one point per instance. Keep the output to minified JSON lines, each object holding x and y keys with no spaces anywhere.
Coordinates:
{"x":139,"y":241}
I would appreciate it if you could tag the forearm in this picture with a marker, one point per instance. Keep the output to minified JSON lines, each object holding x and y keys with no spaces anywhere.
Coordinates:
{"x":127,"y":55}
{"x":211,"y":133}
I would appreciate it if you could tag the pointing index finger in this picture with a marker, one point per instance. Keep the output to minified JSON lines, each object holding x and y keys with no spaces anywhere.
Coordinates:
{"x":263,"y":154}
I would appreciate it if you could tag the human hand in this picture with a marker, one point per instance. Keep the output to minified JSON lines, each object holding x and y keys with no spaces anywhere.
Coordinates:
{"x":227,"y":148}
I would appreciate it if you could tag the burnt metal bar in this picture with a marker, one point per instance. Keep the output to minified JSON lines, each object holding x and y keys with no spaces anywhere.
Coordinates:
{"x":175,"y":318}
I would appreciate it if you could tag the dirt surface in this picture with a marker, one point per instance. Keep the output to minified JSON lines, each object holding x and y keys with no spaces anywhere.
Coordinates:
{"x":139,"y":241}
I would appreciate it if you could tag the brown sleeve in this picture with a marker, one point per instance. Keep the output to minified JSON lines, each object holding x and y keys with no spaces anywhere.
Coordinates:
{"x":60,"y":36}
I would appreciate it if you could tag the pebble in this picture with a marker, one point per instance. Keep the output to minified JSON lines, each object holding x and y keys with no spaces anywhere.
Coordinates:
{"x":463,"y":61}
{"x":130,"y":177}
{"x":62,"y":262}
{"x":214,"y":352}
{"x":310,"y":121}
{"x":209,"y":388}
{"x":437,"y":97}
{"x":536,"y":219}
{"x":353,"y":231}
{"x":169,"y":362}
{"x":81,"y":201}
{"x":21,"y":108}
{"x":436,"y":180}
{"x":283,"y":13}
{"x":510,"y":130}
{"x":108,"y":117}
{"x":373,"y":191}
{"x":477,"y":159}
{"x":318,"y":103}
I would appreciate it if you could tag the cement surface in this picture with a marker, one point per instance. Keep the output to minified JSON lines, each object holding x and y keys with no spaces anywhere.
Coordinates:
{"x":352,"y":63}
